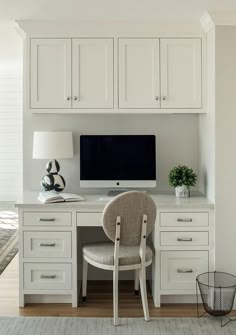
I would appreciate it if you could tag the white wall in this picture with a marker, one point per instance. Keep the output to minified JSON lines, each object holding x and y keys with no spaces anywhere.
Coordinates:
{"x":225,"y":124}
{"x":11,"y":56}
{"x":207,"y":126}
{"x":176,"y":136}
{"x":10,"y":113}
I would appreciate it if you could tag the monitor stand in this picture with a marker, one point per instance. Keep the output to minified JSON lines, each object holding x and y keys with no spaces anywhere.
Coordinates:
{"x":115,"y":192}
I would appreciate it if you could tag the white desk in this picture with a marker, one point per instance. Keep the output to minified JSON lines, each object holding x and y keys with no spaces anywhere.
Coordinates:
{"x":49,"y":266}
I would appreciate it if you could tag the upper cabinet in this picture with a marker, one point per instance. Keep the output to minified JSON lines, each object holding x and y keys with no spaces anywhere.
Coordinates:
{"x":139,"y":79}
{"x":50,"y":73}
{"x":176,"y":85}
{"x":92,"y":73}
{"x":181,"y":71}
{"x":71,"y":73}
{"x":156,"y":75}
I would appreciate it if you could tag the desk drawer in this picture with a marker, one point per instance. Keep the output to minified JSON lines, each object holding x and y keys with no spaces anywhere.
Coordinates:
{"x":47,"y":244}
{"x":179,"y":269}
{"x":184,"y":219}
{"x":89,"y":219}
{"x":47,"y":276}
{"x":184,"y":238}
{"x":47,"y":219}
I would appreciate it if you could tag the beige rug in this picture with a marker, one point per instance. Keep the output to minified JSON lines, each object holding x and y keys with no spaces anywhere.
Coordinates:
{"x":8,"y":238}
{"x":104,"y":326}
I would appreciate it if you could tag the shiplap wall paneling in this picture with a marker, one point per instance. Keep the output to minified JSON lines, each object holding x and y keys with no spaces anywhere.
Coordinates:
{"x":10,"y":135}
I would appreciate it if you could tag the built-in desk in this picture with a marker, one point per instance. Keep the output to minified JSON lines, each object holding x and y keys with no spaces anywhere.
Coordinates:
{"x":49,"y":267}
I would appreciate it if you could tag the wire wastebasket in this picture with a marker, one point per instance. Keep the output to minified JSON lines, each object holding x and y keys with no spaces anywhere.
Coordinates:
{"x":217,"y":291}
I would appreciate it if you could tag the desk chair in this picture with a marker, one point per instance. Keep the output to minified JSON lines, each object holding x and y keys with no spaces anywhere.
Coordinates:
{"x":127,"y":220}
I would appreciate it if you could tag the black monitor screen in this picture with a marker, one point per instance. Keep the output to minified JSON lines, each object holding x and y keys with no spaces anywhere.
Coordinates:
{"x":117,"y":157}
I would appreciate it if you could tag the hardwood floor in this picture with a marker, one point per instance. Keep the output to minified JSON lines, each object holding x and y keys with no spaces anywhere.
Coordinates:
{"x":99,"y":301}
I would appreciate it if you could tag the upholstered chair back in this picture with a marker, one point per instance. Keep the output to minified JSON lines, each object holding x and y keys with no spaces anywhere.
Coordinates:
{"x":130,"y":207}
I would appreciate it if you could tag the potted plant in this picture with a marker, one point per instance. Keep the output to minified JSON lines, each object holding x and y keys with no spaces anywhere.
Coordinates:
{"x":182,"y":177}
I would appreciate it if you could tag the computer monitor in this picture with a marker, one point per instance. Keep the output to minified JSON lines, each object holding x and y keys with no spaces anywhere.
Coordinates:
{"x":118,"y":161}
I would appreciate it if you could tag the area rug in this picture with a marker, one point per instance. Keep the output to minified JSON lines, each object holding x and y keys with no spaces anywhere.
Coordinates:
{"x":104,"y":326}
{"x":8,"y":237}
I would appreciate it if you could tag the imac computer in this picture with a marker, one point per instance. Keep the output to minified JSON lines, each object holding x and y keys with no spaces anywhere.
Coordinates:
{"x":117,"y":161}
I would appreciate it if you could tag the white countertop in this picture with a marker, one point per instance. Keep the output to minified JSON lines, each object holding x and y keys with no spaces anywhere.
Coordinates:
{"x":95,"y":204}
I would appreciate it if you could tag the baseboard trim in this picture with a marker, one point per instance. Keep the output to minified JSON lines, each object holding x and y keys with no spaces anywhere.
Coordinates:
{"x":47,"y":299}
{"x":178,"y":299}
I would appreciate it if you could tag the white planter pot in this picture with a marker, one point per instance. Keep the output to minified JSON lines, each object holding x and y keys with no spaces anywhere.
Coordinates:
{"x":182,"y":191}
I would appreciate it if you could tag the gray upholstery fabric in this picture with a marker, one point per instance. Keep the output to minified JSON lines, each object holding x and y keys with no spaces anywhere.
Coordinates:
{"x":103,"y":253}
{"x":130,"y":206}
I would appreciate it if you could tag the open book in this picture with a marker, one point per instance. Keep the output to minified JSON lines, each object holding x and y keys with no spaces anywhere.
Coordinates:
{"x":48,"y":197}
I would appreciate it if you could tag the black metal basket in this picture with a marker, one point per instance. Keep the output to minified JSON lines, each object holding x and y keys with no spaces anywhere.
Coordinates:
{"x":217,"y":291}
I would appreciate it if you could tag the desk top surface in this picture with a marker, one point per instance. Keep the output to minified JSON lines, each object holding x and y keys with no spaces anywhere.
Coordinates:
{"x":96,"y":203}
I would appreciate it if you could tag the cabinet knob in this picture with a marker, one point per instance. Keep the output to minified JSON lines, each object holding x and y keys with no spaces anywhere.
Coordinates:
{"x":184,"y":220}
{"x":184,"y":239}
{"x":47,"y":276}
{"x":75,"y":98}
{"x":163,"y":98}
{"x":67,"y":98}
{"x":157,"y":98}
{"x":47,"y":219}
{"x":184,"y":270}
{"x":47,"y":244}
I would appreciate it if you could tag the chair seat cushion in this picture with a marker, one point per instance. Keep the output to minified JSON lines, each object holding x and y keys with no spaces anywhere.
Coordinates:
{"x":103,"y":253}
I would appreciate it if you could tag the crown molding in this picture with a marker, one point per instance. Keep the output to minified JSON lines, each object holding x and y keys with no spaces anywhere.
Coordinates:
{"x":19,"y":30}
{"x":210,"y":19}
{"x":206,"y":22}
{"x":68,"y":29}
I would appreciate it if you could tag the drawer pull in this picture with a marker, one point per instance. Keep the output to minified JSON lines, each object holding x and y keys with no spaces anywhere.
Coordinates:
{"x":47,"y":244}
{"x":185,"y":220}
{"x":184,"y":239}
{"x":48,"y":276}
{"x":184,"y":270}
{"x":47,"y":219}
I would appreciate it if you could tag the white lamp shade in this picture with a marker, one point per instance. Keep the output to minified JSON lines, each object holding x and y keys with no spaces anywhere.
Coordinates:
{"x":52,"y":145}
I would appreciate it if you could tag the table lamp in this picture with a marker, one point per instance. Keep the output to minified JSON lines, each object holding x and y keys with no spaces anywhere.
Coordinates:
{"x":53,"y":145}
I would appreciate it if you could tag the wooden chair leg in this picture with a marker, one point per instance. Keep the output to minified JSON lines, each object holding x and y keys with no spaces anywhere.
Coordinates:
{"x":115,"y":297}
{"x":143,"y":288}
{"x":136,"y":282}
{"x":84,"y":280}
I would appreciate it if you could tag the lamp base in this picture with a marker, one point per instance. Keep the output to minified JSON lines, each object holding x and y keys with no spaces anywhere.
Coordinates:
{"x":53,"y":167}
{"x":53,"y":181}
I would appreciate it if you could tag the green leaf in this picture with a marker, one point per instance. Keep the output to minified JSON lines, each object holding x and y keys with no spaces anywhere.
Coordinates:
{"x":182,"y":175}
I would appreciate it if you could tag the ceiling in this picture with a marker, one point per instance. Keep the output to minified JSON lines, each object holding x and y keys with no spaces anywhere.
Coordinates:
{"x":176,"y":11}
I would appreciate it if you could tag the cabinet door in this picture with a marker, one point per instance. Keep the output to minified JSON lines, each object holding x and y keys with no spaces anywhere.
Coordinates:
{"x":139,"y":73}
{"x":181,"y":73}
{"x":50,"y":73}
{"x":92,"y":73}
